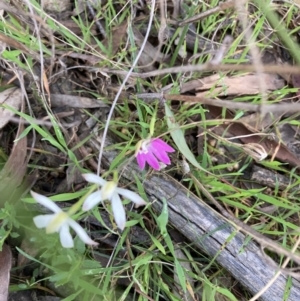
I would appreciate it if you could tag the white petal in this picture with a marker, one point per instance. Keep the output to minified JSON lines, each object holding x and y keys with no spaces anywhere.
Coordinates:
{"x":118,"y":211}
{"x":41,"y":221}
{"x":46,"y":202}
{"x":92,"y":200}
{"x":66,"y":238}
{"x":92,"y":178}
{"x":132,"y":196}
{"x":81,"y":233}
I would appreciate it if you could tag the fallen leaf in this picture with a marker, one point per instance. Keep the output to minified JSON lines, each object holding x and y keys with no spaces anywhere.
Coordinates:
{"x":247,"y":84}
{"x":14,"y":170}
{"x":153,"y":54}
{"x":238,"y":129}
{"x":116,"y":38}
{"x":13,"y":98}
{"x":5,"y":266}
{"x":58,"y":100}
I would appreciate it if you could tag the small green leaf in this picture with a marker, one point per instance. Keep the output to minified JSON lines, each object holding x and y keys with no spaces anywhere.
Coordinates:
{"x":226,"y":293}
{"x":162,"y":220}
{"x":158,"y":244}
{"x":180,"y":274}
{"x":178,"y":137}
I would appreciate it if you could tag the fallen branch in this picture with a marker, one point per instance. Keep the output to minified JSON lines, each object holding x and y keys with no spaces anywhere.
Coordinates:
{"x":212,"y":234}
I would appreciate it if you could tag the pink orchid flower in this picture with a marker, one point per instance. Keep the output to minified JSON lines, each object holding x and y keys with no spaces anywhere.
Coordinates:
{"x":152,"y":151}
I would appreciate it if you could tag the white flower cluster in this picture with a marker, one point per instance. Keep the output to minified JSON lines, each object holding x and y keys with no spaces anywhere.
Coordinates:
{"x":61,"y":221}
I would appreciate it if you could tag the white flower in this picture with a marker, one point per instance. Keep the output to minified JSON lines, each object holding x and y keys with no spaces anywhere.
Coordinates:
{"x":60,"y":222}
{"x":110,"y":191}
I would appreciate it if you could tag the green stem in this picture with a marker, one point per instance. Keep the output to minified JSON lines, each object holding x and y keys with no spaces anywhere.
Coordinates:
{"x":76,"y":207}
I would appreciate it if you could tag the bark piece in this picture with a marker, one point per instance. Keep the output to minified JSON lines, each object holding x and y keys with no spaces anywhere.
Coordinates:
{"x":271,"y":179}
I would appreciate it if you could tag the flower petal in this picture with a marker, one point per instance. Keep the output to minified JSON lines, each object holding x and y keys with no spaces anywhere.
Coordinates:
{"x":132,"y":196}
{"x":162,"y":145}
{"x":81,"y":233}
{"x":41,"y":221}
{"x":161,"y":155}
{"x":46,"y":202}
{"x":92,"y":178}
{"x":152,"y":161}
{"x":141,"y":160}
{"x":92,"y":200}
{"x":66,"y":238}
{"x":118,"y":211}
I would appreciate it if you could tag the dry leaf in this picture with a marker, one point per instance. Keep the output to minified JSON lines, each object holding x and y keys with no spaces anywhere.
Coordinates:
{"x":13,"y":98}
{"x":5,"y":266}
{"x":255,"y":120}
{"x":58,"y":100}
{"x":234,"y":85}
{"x":281,"y":152}
{"x":14,"y":170}
{"x":150,"y":54}
{"x":117,"y":36}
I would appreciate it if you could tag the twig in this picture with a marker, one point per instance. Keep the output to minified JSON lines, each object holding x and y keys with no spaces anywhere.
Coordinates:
{"x":280,"y":69}
{"x":274,"y":278}
{"x":286,"y":107}
{"x":220,"y":53}
{"x":97,"y":22}
{"x":285,"y":69}
{"x":220,"y":7}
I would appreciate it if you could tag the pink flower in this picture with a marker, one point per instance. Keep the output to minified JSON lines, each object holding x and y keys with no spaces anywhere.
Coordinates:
{"x":152,"y":151}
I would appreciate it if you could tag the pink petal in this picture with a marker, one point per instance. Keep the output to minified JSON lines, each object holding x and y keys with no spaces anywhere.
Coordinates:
{"x":161,"y":145}
{"x":161,"y":155}
{"x":152,"y":161}
{"x":141,"y":160}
